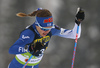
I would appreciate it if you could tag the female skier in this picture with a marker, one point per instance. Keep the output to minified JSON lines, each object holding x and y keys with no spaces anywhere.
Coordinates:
{"x":35,"y":38}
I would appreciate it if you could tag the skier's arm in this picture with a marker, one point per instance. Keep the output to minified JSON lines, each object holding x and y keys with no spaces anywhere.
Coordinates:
{"x":71,"y":33}
{"x":67,"y":33}
{"x":25,"y":38}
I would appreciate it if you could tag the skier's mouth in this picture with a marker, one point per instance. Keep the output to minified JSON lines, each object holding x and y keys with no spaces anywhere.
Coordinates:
{"x":44,"y":34}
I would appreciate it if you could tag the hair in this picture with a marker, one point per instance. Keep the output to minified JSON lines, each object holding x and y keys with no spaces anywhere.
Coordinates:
{"x":38,"y":13}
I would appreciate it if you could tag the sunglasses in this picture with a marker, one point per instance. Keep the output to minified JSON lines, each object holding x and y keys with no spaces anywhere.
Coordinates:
{"x":45,"y":29}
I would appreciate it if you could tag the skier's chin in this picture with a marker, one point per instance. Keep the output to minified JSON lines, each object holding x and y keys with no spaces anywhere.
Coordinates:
{"x":44,"y":34}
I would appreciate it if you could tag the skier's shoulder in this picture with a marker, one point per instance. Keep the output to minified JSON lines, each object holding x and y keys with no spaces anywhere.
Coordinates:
{"x":27,"y":31}
{"x":55,"y":29}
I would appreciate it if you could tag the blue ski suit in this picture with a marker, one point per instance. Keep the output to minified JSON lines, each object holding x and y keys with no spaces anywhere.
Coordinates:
{"x":28,"y":36}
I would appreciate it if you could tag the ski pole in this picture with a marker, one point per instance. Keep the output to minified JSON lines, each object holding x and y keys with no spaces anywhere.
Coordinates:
{"x":75,"y":47}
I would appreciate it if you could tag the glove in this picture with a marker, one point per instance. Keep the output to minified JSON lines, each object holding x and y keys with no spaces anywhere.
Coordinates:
{"x":79,"y":16}
{"x":36,"y":47}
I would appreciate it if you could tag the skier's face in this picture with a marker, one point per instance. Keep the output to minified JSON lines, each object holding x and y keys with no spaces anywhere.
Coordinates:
{"x":43,"y":32}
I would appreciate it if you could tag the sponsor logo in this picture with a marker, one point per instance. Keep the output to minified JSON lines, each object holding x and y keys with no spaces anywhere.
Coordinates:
{"x":35,"y":60}
{"x":26,"y":60}
{"x":24,"y":37}
{"x":46,"y":39}
{"x":64,"y":31}
{"x":48,"y":20}
{"x":49,"y":24}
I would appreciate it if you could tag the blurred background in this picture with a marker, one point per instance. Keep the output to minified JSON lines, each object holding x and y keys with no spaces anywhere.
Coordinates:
{"x":60,"y":51}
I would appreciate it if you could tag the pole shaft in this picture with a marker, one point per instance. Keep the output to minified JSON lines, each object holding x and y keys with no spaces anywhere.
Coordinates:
{"x":74,"y":52}
{"x":27,"y":61}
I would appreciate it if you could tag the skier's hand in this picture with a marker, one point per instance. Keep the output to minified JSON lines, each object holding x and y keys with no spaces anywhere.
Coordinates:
{"x":36,"y":46}
{"x":79,"y":16}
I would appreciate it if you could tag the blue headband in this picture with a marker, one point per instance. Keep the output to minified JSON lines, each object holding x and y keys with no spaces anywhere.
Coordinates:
{"x":44,"y":21}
